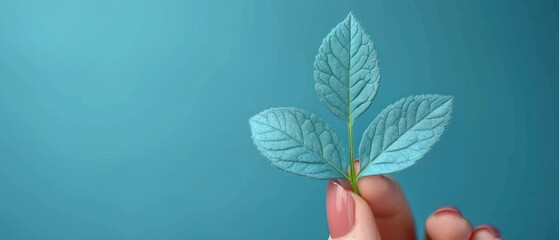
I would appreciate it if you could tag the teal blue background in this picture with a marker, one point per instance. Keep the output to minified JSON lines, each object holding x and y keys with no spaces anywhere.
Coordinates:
{"x":129,"y":119}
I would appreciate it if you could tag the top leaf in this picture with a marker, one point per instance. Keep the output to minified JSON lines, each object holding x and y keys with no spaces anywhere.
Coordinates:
{"x":346,"y":70}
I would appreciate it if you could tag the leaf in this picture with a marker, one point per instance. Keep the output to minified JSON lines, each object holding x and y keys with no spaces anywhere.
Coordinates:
{"x":299,"y":142}
{"x":403,"y":133}
{"x":346,"y":70}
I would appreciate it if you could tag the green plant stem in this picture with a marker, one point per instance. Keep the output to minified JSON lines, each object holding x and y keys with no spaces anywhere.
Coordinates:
{"x":352,"y":174}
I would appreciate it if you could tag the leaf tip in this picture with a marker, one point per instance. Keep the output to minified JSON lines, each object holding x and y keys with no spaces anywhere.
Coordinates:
{"x":449,"y":99}
{"x":351,"y":17}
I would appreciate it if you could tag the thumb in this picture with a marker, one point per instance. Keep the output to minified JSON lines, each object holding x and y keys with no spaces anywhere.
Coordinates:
{"x":349,"y":216}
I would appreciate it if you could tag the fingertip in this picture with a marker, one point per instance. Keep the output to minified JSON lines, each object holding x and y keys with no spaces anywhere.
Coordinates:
{"x":486,"y":232}
{"x":357,"y":165}
{"x":448,"y":209}
{"x":340,"y":209}
{"x":348,"y":215}
{"x":448,"y":223}
{"x":383,"y":194}
{"x":388,"y":203}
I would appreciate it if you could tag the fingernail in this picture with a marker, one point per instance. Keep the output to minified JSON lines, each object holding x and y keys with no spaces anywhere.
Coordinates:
{"x":340,"y":208}
{"x":344,"y":183}
{"x":492,"y":229}
{"x":356,"y":166}
{"x":448,"y":209}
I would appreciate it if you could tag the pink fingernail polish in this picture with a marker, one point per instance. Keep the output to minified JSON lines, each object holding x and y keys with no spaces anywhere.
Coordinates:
{"x":340,"y":208}
{"x":448,"y":209}
{"x":492,"y":229}
{"x":357,"y":166}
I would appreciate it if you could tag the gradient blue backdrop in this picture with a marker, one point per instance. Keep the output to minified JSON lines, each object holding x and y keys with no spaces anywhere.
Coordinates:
{"x":129,"y":119}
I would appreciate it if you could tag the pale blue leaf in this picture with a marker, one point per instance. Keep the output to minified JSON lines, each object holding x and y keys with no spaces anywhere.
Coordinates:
{"x":299,"y":142}
{"x":403,"y":133}
{"x":346,"y":70}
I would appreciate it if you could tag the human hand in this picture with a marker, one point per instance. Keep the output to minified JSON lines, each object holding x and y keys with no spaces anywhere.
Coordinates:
{"x":381,"y":212}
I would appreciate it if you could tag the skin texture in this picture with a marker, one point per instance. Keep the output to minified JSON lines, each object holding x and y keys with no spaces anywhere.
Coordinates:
{"x":382,"y":212}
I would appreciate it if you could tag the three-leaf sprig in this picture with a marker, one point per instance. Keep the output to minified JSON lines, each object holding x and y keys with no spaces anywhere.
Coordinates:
{"x":347,"y":76}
